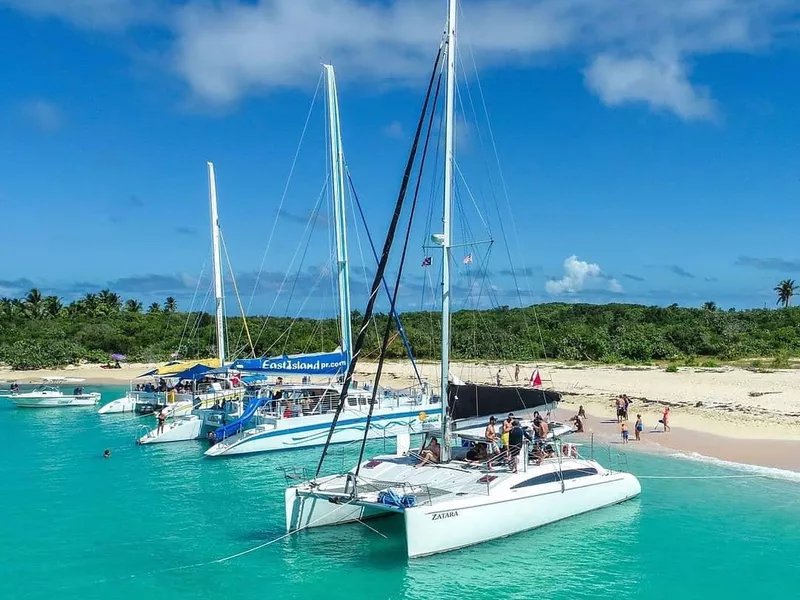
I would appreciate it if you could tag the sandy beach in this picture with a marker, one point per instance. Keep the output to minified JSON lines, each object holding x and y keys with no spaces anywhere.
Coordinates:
{"x":741,"y":415}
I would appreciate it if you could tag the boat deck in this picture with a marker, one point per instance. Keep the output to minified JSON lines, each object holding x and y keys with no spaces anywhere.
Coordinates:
{"x":436,"y":483}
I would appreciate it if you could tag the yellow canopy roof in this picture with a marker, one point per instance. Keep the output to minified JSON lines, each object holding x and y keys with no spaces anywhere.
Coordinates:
{"x":185,"y":365}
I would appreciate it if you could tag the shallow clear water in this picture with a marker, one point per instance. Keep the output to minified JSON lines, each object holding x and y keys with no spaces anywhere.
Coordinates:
{"x":76,"y":525}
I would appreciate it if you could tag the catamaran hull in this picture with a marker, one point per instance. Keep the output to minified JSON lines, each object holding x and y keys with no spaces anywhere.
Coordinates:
{"x":120,"y":405}
{"x":285,"y":434}
{"x":469,"y":521}
{"x":55,"y":401}
{"x":182,"y":430}
{"x":446,"y":527}
{"x":305,"y":510}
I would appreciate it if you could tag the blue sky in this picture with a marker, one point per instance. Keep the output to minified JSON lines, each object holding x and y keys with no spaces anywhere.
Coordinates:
{"x":656,"y":143}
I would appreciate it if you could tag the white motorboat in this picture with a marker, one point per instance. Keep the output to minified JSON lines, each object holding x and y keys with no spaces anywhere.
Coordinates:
{"x":49,"y":395}
{"x":303,"y":415}
{"x":446,"y":501}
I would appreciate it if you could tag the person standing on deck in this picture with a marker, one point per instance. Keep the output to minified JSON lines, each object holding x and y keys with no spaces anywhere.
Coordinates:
{"x":491,"y":437}
{"x":507,"y":425}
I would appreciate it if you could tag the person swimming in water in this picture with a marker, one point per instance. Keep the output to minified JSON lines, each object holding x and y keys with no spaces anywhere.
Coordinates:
{"x":106,"y":453}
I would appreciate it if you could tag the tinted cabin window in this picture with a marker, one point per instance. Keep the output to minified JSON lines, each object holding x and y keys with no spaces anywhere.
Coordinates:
{"x":556,"y":476}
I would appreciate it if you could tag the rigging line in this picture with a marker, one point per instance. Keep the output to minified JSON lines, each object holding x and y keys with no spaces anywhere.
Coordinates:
{"x":396,"y":316}
{"x":291,"y":263}
{"x":285,"y":191}
{"x":191,"y":306}
{"x":238,"y":298}
{"x":387,"y":247}
{"x":508,"y":204}
{"x":297,"y":317}
{"x":472,"y":197}
{"x":393,"y":305}
{"x":354,"y":196}
{"x":314,"y":219}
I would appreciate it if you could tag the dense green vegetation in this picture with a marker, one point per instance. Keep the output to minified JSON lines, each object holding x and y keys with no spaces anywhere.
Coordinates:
{"x":39,"y":332}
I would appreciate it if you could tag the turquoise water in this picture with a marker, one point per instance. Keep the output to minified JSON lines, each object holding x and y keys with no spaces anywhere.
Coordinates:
{"x":76,"y":525}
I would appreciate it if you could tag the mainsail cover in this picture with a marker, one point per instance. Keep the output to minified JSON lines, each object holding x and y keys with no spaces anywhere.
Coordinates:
{"x":321,"y":363}
{"x":469,"y":401}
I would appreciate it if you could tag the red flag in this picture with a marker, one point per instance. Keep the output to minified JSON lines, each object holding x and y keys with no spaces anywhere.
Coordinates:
{"x":536,"y":379}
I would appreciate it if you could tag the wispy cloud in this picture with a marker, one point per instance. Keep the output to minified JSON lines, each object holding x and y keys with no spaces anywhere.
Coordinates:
{"x":43,"y":115}
{"x":769,"y":264}
{"x":632,"y":277}
{"x":185,"y":230}
{"x":15,"y":287}
{"x":577,"y":274}
{"x":661,"y":83}
{"x":680,"y":272}
{"x":288,"y":215}
{"x":395,"y":130}
{"x":637,"y":51}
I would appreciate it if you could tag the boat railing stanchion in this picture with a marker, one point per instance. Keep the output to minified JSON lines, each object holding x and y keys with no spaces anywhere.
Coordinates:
{"x":591,"y":446}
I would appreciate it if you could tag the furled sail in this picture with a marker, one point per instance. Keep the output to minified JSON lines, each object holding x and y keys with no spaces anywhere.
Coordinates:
{"x":469,"y":401}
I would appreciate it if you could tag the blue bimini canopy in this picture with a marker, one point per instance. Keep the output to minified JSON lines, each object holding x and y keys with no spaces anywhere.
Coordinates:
{"x":321,"y":363}
{"x":196,"y":372}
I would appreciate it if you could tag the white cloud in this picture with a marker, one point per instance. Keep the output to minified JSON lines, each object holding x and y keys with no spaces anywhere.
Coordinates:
{"x":394,"y":130}
{"x":575,"y":274}
{"x":226,"y":49}
{"x":44,"y":115}
{"x":578,"y":274}
{"x":660,"y":83}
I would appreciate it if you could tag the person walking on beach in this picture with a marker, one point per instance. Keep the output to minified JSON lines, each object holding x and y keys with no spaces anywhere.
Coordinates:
{"x":665,"y":419}
{"x":638,"y":428}
{"x":624,"y":428}
{"x":581,"y":412}
{"x":516,"y":372}
{"x":619,"y":409}
{"x":498,"y":377}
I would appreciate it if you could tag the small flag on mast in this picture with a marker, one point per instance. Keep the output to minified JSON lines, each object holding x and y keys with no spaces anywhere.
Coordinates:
{"x":426,"y":262}
{"x":468,"y":259}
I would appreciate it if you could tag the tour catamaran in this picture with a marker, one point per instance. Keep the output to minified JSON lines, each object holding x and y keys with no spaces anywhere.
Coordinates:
{"x":300,"y":415}
{"x":178,"y":388}
{"x":48,"y":394}
{"x":207,"y":408}
{"x":446,"y":501}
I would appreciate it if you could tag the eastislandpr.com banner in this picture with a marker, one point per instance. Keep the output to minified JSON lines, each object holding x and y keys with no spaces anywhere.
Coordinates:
{"x":325,"y":363}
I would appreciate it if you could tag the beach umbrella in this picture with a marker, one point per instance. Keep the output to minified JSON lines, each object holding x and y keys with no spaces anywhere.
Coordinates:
{"x":118,"y":357}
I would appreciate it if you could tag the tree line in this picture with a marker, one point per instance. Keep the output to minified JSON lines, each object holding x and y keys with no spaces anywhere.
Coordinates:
{"x":40,"y":331}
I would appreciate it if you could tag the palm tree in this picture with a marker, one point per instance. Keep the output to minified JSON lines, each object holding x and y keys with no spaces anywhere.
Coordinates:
{"x":133,"y":306}
{"x":710,"y":306}
{"x":8,"y":307}
{"x":89,"y":304}
{"x":33,"y":303}
{"x":170,"y":306}
{"x":53,"y":306}
{"x":785,"y":290}
{"x":154,"y":309}
{"x":109,"y":300}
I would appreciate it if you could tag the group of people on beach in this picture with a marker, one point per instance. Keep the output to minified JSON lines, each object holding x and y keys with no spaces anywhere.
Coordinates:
{"x":622,"y":403}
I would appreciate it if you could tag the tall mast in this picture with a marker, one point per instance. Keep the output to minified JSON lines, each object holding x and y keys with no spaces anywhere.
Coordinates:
{"x":449,"y":124}
{"x":219,"y":293}
{"x":339,"y":210}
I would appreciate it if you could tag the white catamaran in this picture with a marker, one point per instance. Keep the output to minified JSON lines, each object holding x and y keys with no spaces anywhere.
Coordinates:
{"x":301,"y":415}
{"x":446,"y":500}
{"x":199,"y":414}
